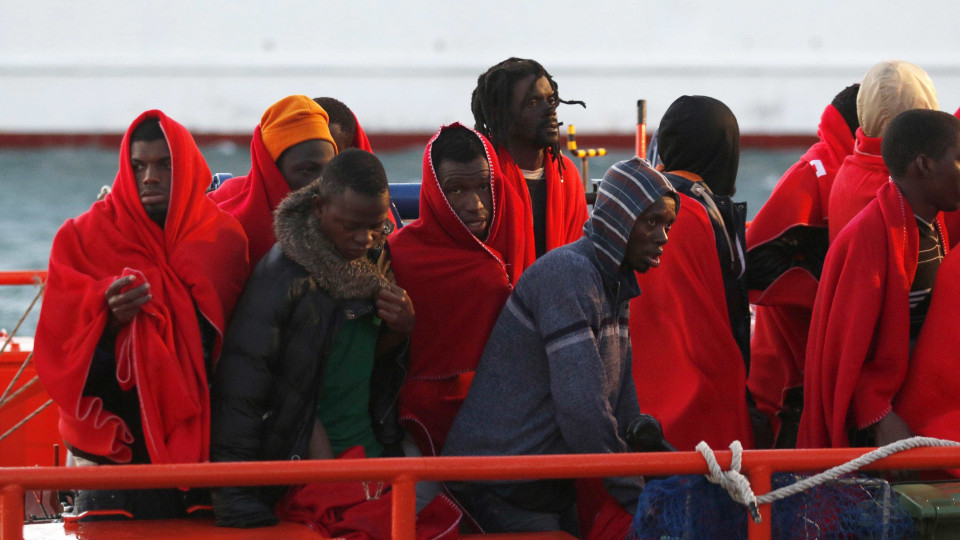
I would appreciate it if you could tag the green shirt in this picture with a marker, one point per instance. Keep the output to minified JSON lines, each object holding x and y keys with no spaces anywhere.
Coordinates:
{"x":344,"y":408}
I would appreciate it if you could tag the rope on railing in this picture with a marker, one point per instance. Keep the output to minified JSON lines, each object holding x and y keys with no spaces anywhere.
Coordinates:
{"x":10,"y":338}
{"x":25,"y":420}
{"x":738,"y":486}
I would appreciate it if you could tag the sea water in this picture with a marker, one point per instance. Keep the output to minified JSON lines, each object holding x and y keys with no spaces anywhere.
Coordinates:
{"x":40,"y":189}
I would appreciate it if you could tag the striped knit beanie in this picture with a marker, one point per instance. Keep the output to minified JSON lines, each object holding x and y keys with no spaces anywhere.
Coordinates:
{"x":627,"y":189}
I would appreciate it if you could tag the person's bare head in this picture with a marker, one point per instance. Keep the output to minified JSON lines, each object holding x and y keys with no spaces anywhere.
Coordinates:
{"x":921,"y":150}
{"x":343,"y":123}
{"x":516,"y":100}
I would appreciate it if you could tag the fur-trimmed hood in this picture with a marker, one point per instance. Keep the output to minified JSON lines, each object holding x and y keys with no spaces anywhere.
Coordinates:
{"x":297,"y":228}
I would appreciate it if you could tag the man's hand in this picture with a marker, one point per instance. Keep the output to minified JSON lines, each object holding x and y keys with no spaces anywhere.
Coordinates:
{"x":396,"y":309}
{"x":891,"y":428}
{"x":123,"y":306}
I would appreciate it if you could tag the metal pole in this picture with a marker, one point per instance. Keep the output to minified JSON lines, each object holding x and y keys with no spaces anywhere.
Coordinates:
{"x":760,"y":482}
{"x":641,"y":139}
{"x":404,"y":512}
{"x":23,"y":277}
{"x":11,"y":512}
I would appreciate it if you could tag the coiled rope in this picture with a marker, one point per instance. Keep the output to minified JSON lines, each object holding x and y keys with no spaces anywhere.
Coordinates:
{"x":738,"y":486}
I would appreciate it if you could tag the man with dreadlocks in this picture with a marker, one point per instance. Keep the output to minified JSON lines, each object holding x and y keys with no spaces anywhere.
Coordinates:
{"x":515,"y":106}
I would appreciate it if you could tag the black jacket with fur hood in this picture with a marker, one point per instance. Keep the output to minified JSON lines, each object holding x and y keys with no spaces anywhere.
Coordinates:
{"x":266,"y":387}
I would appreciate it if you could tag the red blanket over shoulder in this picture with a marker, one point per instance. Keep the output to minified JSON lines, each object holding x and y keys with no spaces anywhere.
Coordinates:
{"x":687,"y":367}
{"x":859,"y":341}
{"x":566,"y":202}
{"x":353,"y":510}
{"x":800,"y":199}
{"x":927,"y":402}
{"x":198,"y":258}
{"x":458,"y":285}
{"x":783,"y":309}
{"x":253,"y":198}
{"x":856,"y":183}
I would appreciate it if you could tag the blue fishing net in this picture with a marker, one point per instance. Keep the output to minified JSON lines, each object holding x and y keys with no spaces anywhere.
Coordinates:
{"x":692,"y":508}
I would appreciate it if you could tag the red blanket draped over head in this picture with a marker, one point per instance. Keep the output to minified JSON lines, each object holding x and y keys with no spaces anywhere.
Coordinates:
{"x":859,"y":343}
{"x":783,"y":309}
{"x":196,"y":262}
{"x":360,"y":139}
{"x":566,"y":202}
{"x":927,"y":402}
{"x":856,"y":183}
{"x":457,"y":284}
{"x":695,"y":386}
{"x":252,"y":198}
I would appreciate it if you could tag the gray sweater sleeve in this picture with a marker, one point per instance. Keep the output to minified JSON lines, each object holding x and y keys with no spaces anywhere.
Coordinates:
{"x":591,"y":381}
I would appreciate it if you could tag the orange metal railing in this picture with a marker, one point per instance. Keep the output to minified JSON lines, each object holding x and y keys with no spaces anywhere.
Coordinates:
{"x":403,"y":473}
{"x":23,"y":277}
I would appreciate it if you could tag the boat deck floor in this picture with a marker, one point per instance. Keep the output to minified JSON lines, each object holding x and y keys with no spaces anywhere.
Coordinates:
{"x":205,"y":529}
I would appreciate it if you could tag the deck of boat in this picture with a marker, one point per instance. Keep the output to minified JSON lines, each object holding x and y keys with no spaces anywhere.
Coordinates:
{"x":205,"y":529}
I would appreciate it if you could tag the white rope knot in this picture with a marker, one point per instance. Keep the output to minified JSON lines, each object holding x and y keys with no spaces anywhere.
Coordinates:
{"x":736,"y":484}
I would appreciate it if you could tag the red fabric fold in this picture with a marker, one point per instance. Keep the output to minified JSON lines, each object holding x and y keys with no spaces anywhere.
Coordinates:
{"x":612,"y":523}
{"x":927,"y":402}
{"x":784,"y":308}
{"x":362,"y":510}
{"x":252,"y":198}
{"x":566,"y":201}
{"x":802,"y":194}
{"x":457,"y":284}
{"x":856,"y":183}
{"x":360,"y":139}
{"x":687,"y":368}
{"x":197,"y":261}
{"x":858,"y":348}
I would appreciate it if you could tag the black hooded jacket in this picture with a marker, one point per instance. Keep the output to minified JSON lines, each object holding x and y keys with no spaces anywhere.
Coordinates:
{"x":267,"y":384}
{"x":700,"y":134}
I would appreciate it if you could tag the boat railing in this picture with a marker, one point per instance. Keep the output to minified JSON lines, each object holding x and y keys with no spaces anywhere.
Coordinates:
{"x":404,"y":473}
{"x":23,"y":277}
{"x":10,"y":347}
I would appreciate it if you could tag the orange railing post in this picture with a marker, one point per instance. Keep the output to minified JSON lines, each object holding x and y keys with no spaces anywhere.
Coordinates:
{"x":404,"y":508}
{"x":760,"y":482}
{"x":11,"y":512}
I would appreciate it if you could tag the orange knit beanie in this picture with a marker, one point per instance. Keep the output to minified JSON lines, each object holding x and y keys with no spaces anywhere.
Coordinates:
{"x":292,"y":120}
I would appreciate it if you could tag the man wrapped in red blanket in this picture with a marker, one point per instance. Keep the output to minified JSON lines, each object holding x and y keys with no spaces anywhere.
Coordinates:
{"x":458,"y":262}
{"x":140,"y":289}
{"x":887,"y":89}
{"x":786,"y":244}
{"x":515,"y":106}
{"x":289,"y":150}
{"x":875,"y":289}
